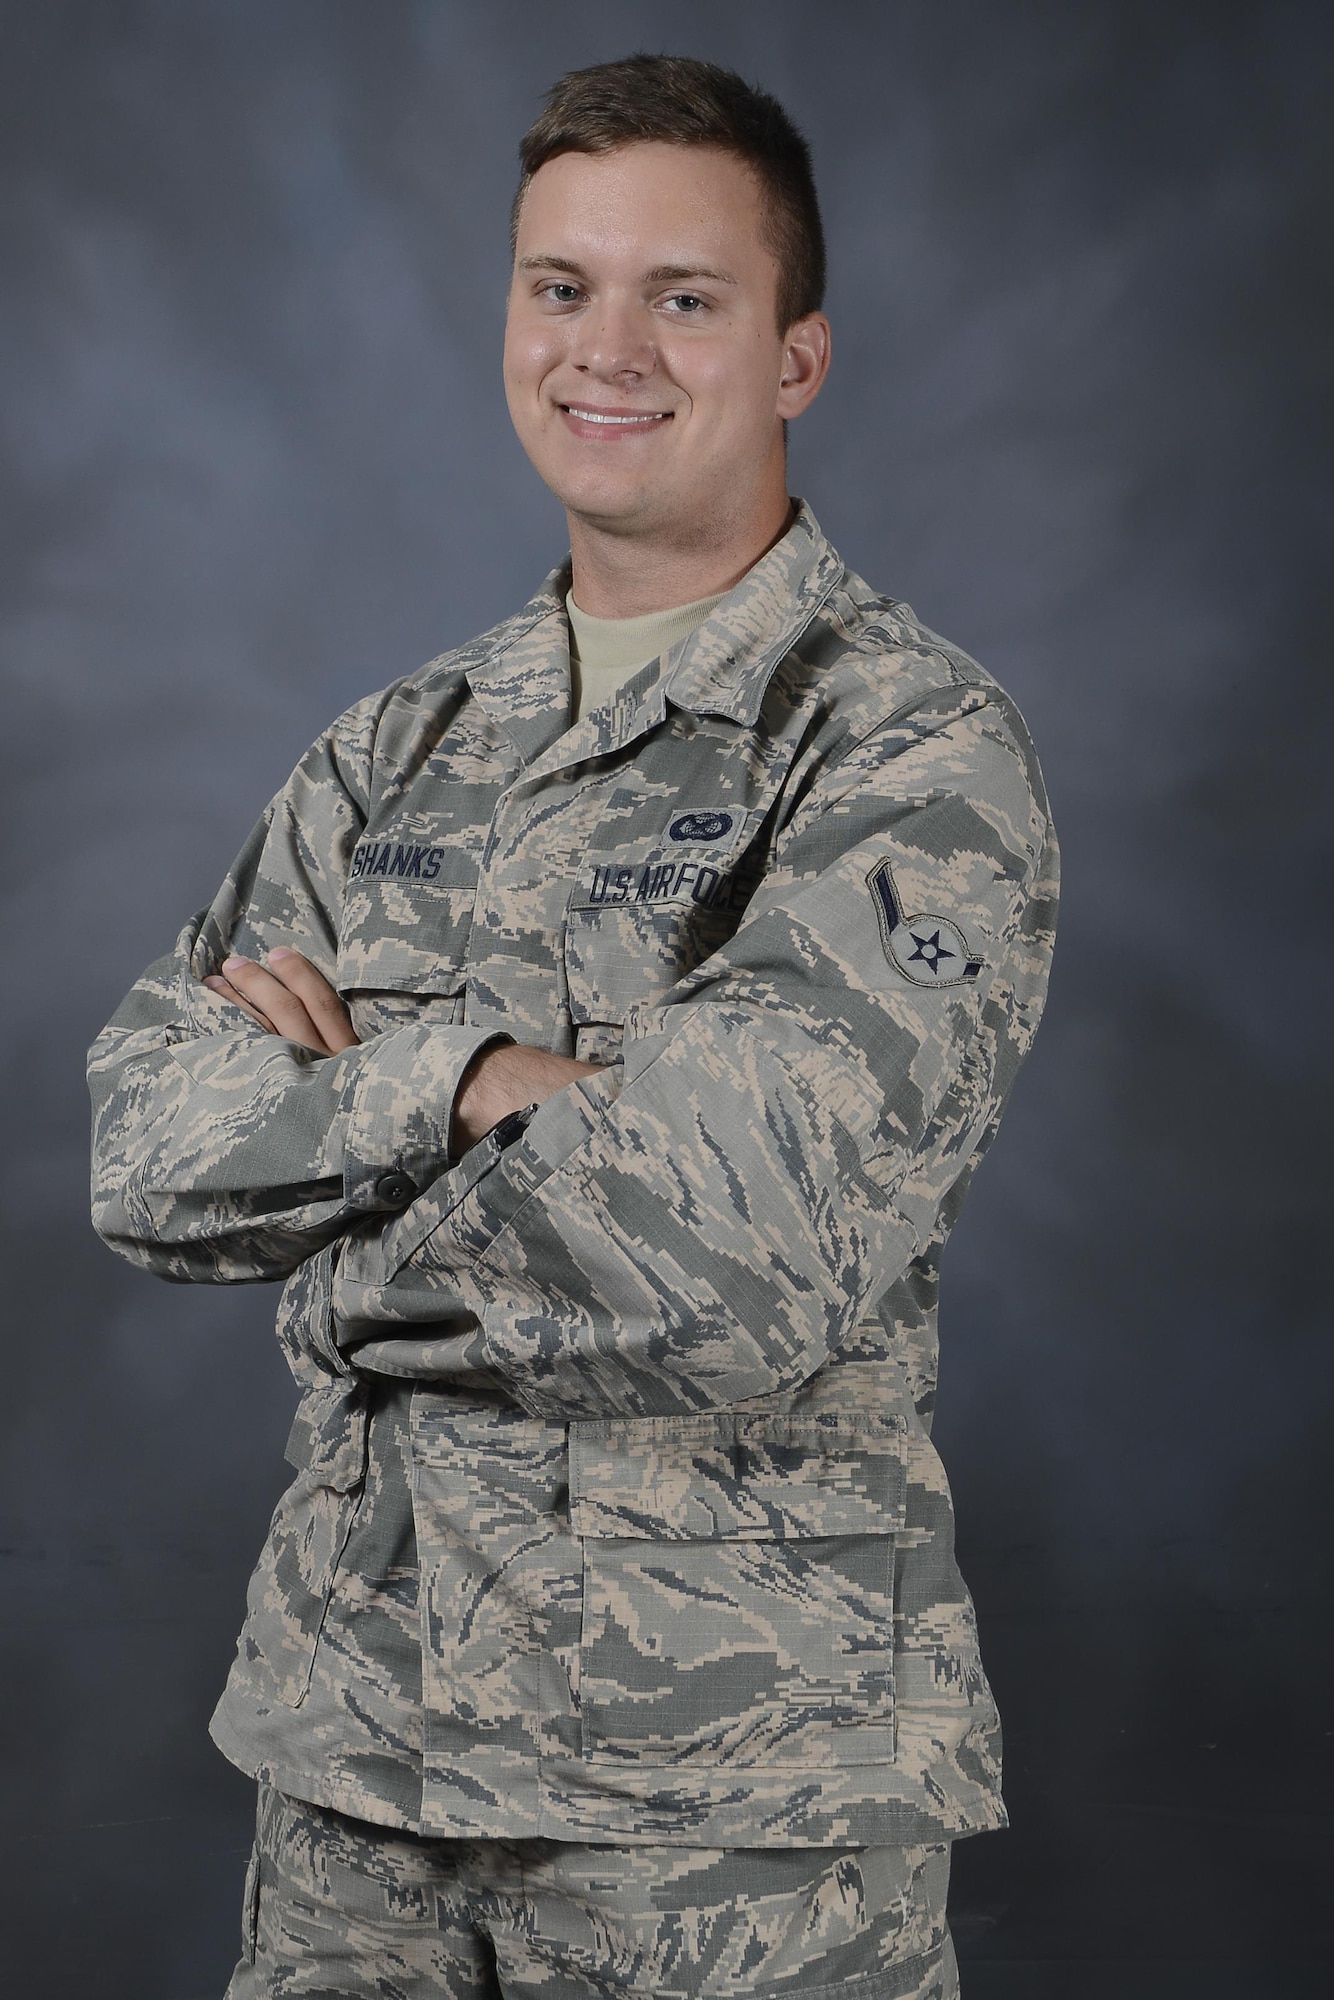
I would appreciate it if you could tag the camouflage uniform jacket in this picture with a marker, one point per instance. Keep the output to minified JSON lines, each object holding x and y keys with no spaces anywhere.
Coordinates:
{"x":683,"y":1561}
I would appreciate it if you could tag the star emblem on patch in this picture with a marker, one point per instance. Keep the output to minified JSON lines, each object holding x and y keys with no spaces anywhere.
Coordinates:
{"x":932,"y":951}
{"x":929,"y":950}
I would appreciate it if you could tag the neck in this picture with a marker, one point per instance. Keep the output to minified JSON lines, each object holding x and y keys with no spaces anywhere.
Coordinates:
{"x":623,"y":576}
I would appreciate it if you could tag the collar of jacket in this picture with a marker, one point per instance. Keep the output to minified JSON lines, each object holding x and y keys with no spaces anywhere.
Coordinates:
{"x":722,"y":668}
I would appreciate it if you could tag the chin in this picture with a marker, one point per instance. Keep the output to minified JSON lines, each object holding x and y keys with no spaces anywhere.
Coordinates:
{"x":602,"y":506}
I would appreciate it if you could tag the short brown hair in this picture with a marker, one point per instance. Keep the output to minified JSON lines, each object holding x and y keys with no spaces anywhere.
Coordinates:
{"x":685,"y":102}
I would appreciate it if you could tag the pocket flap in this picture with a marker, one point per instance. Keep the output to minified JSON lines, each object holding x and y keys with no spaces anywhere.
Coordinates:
{"x":327,"y":1440}
{"x":738,"y":1477}
{"x":388,"y":959}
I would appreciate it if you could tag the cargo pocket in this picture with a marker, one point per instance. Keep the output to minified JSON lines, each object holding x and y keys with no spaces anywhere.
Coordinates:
{"x":289,"y":1592}
{"x":738,"y":1587}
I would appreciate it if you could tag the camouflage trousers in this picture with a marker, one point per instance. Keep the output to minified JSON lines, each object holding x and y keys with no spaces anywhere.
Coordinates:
{"x":336,"y":1909}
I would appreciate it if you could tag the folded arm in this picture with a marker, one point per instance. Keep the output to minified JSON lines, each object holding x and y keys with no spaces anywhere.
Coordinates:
{"x":238,"y":1123}
{"x":705,"y":1222}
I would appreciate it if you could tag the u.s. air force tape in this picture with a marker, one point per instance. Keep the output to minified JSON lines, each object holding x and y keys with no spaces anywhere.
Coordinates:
{"x":929,"y":950}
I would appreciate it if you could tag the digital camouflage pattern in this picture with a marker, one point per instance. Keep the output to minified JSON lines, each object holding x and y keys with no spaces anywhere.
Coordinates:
{"x":617,"y":1515}
{"x":335,"y":1907}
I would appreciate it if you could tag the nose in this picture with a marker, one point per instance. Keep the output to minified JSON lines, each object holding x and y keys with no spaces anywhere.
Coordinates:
{"x":615,"y":342}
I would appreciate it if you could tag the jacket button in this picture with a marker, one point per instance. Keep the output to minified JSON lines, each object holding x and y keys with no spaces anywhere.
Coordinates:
{"x":395,"y":1187}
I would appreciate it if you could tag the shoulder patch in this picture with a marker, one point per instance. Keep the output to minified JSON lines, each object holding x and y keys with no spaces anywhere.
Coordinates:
{"x":929,"y":950}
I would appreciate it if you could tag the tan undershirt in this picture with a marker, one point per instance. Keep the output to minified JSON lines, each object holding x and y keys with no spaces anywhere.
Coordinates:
{"x":604,"y":652}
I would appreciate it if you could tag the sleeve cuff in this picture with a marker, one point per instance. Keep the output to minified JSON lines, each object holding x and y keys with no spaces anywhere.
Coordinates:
{"x":398,"y":1111}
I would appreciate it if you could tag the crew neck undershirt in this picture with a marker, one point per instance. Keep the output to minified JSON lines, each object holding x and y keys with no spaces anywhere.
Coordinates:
{"x":604,"y":652}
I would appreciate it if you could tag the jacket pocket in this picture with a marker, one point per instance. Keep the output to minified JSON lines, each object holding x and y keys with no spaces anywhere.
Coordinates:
{"x":403,"y":943}
{"x":619,"y":958}
{"x":738,"y":1587}
{"x":289,"y":1592}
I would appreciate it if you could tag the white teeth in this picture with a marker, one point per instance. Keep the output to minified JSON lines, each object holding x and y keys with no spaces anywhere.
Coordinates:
{"x":600,"y":416}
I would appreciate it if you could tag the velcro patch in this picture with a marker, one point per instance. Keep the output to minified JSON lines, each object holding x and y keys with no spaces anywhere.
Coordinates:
{"x":658,"y":881}
{"x":402,"y":861}
{"x":702,"y":826}
{"x":929,"y":950}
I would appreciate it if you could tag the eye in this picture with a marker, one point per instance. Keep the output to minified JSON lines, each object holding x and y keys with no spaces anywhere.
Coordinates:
{"x":686,"y":303}
{"x":560,"y":293}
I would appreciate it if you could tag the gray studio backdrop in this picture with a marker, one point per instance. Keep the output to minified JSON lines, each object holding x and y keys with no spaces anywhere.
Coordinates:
{"x":257,"y":462}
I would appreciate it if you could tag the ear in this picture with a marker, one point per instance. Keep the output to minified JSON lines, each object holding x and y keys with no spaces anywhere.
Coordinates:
{"x":805,"y":364}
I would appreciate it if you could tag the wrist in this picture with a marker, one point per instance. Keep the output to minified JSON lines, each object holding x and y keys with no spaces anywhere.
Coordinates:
{"x":474,"y":1113}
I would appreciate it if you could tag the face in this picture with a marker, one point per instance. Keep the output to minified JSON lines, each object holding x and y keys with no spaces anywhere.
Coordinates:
{"x":644,"y":369}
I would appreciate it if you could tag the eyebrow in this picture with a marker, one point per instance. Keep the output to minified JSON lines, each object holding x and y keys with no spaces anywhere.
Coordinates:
{"x":661,"y":274}
{"x":675,"y":274}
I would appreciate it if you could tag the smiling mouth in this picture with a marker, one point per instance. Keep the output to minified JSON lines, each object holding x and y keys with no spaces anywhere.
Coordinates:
{"x":617,"y":419}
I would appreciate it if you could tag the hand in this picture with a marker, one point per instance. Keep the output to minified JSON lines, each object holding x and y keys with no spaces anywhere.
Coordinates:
{"x":504,"y":1079}
{"x":288,"y":997}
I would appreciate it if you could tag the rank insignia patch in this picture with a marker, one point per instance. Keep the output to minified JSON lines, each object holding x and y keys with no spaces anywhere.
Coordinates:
{"x":931,"y":951}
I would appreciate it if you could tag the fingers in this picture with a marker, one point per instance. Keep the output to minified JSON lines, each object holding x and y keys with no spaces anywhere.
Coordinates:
{"x":287,"y":996}
{"x":322,"y":1003}
{"x":226,"y":991}
{"x":267,"y":1000}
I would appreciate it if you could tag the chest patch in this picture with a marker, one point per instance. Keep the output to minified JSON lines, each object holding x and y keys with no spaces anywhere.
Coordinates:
{"x":701,"y":826}
{"x":929,"y":950}
{"x":403,"y":861}
{"x":663,"y":882}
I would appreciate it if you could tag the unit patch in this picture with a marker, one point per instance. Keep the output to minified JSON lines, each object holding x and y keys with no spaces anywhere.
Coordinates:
{"x":929,"y":950}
